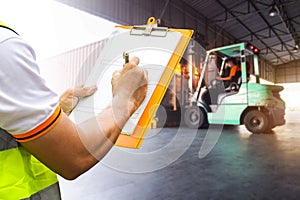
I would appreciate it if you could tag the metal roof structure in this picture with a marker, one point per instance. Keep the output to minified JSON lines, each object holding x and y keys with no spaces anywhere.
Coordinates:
{"x":249,"y":20}
{"x":243,"y":20}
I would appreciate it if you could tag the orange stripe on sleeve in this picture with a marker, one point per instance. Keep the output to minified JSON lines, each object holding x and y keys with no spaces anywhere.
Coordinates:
{"x":41,"y":129}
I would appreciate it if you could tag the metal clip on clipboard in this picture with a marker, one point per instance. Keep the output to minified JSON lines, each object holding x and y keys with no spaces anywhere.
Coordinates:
{"x":151,"y":29}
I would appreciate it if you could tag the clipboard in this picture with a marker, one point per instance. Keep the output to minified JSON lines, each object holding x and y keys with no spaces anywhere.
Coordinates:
{"x":160,"y":50}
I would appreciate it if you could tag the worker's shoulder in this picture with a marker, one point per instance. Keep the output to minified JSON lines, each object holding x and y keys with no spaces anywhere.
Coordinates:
{"x":234,"y":67}
{"x":6,"y":34}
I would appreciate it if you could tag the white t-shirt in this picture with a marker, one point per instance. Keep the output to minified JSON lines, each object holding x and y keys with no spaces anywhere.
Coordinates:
{"x":28,"y":108}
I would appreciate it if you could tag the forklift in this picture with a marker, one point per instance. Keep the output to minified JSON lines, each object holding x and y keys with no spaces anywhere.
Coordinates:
{"x":257,"y":106}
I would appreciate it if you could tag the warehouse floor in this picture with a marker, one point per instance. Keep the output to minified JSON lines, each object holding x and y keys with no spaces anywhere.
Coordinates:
{"x":240,"y":166}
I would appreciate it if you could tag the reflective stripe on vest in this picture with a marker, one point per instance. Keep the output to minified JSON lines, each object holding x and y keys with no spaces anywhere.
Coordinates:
{"x":21,"y":174}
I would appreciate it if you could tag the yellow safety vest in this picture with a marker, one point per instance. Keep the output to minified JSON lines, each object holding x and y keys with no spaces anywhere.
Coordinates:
{"x":21,"y":174}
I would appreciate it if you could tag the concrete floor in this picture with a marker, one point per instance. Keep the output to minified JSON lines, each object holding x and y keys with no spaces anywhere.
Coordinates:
{"x":240,"y":166}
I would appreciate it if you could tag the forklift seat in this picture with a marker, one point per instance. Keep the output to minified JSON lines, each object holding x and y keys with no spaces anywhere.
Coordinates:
{"x":233,"y":88}
{"x":225,"y":94}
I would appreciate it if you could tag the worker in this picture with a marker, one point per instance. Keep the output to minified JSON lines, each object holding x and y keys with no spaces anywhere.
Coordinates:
{"x":233,"y":73}
{"x":38,"y":140}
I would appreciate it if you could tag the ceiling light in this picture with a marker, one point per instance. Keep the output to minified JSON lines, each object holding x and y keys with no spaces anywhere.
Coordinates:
{"x":295,"y":49}
{"x":274,"y":11}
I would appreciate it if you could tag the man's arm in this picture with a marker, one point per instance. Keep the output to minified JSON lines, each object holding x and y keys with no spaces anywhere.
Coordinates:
{"x":233,"y":71}
{"x":70,"y":149}
{"x":63,"y":151}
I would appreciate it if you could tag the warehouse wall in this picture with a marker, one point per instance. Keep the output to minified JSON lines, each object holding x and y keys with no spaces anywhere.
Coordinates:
{"x":175,"y":14}
{"x":288,"y":73}
{"x":267,"y":71}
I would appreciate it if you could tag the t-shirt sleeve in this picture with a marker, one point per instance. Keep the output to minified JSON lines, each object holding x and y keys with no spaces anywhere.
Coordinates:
{"x":29,"y":109}
{"x":233,"y":71}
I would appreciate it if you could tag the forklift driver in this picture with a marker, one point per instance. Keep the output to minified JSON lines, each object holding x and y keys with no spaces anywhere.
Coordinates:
{"x":230,"y":74}
{"x":233,"y":74}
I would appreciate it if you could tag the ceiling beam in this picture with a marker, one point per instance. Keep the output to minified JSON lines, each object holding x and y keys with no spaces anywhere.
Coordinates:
{"x":208,"y":23}
{"x":226,"y":18}
{"x":295,"y":21}
{"x":286,"y":60}
{"x":274,"y":45}
{"x":272,"y":28}
{"x":288,"y":23}
{"x":246,"y":27}
{"x":164,"y":9}
{"x":262,"y":3}
{"x":265,"y":28}
{"x":272,"y":36}
{"x":268,"y":5}
{"x":239,"y":14}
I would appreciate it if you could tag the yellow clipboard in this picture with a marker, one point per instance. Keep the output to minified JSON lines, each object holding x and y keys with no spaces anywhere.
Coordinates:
{"x":135,"y":139}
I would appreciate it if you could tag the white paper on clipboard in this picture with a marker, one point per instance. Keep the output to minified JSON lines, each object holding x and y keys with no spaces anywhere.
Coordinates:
{"x":154,"y":54}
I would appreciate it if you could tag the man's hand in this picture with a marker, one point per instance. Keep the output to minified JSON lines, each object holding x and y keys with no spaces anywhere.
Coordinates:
{"x":129,"y":87}
{"x":69,"y":99}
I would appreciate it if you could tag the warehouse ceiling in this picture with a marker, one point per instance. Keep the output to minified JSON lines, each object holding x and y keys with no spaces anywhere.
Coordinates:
{"x":277,"y":36}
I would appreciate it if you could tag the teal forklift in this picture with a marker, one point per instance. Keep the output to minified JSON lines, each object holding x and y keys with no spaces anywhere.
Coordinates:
{"x":257,"y":106}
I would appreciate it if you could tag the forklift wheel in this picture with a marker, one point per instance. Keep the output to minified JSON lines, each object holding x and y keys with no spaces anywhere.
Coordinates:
{"x":257,"y":122}
{"x":194,"y":117}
